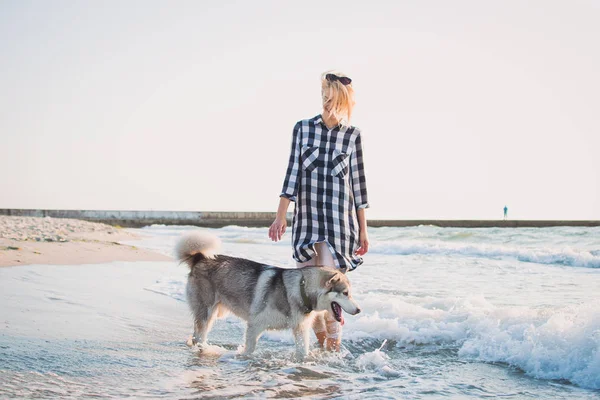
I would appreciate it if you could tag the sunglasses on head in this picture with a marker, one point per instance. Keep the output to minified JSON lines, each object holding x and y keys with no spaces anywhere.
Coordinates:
{"x":344,"y":80}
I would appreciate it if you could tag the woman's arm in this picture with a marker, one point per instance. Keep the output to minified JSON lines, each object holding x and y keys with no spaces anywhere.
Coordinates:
{"x":278,"y":226}
{"x":359,"y":189}
{"x":290,"y":188}
{"x":357,"y":175}
{"x":363,"y":236}
{"x":292,"y":174}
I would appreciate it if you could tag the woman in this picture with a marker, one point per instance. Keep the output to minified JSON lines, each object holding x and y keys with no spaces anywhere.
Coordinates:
{"x":325,"y":178}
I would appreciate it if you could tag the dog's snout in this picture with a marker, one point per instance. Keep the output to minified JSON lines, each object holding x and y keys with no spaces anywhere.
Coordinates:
{"x":358,"y":310}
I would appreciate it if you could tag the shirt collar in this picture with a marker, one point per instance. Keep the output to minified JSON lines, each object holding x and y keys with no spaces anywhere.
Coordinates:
{"x":319,"y":120}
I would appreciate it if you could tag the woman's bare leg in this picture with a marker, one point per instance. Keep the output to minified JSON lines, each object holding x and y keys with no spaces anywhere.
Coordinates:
{"x":320,"y":328}
{"x":333,"y":329}
{"x":319,"y":322}
{"x":333,"y":334}
{"x":327,"y":329}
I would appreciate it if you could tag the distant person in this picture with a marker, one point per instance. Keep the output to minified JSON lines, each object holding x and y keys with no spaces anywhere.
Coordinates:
{"x":326,"y":180}
{"x":505,"y":212}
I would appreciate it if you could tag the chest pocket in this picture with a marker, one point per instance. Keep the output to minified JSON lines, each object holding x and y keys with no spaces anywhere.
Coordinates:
{"x":339,"y":164}
{"x":310,"y":155}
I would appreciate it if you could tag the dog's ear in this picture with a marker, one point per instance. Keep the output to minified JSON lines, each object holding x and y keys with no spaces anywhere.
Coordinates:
{"x":335,"y":278}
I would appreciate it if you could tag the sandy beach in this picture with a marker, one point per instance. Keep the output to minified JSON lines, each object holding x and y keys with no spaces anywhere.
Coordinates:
{"x":33,"y":240}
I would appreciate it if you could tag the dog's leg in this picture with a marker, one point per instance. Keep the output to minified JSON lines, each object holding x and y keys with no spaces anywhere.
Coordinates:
{"x":201,"y":331}
{"x":202,"y":325}
{"x":252,"y":334}
{"x":195,"y":338}
{"x":301,"y":334}
{"x":202,"y":302}
{"x":212,"y":316}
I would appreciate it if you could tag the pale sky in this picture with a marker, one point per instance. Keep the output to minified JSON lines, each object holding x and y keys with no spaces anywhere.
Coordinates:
{"x":464,"y":106}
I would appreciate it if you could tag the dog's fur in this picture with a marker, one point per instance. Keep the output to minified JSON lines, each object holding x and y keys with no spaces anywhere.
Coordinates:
{"x":266,"y":297}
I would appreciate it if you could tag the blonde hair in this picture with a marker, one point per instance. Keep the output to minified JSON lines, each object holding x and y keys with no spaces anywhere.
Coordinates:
{"x":338,"y":99}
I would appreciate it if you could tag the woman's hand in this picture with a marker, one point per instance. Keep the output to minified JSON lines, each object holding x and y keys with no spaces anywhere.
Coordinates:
{"x":278,"y":226}
{"x":277,"y":229}
{"x":363,"y":241}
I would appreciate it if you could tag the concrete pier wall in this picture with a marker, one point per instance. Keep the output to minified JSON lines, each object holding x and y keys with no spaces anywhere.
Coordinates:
{"x":136,"y":219}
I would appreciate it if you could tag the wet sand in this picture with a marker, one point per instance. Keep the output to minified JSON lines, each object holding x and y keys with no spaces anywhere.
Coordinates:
{"x":63,"y":241}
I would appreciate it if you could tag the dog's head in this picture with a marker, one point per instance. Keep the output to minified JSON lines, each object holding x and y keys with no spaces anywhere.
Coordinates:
{"x":336,"y":295}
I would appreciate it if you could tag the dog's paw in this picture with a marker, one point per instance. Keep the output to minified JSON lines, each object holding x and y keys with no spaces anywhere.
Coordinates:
{"x":191,"y":341}
{"x":244,"y":354}
{"x":300,"y":356}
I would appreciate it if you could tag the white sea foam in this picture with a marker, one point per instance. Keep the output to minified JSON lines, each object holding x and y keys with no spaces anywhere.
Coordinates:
{"x":566,"y":256}
{"x":545,"y":343}
{"x":562,"y":345}
{"x":377,"y":360}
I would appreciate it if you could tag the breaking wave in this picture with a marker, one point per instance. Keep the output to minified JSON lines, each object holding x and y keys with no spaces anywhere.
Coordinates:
{"x":557,"y":344}
{"x":566,"y":256}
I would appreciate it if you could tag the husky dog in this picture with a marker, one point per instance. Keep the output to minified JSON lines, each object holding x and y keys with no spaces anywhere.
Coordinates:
{"x":266,"y":297}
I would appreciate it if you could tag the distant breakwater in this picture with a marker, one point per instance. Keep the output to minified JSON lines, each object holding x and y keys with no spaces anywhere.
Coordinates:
{"x":213,"y":219}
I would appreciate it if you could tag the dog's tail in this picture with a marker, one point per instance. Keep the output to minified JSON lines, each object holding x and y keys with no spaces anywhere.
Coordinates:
{"x":196,"y":246}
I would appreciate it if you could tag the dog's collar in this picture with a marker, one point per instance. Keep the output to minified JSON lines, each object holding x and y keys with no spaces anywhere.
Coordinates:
{"x":305,"y":300}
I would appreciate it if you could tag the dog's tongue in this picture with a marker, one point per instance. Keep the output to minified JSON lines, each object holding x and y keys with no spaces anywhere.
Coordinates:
{"x":341,"y":315}
{"x":339,"y":311}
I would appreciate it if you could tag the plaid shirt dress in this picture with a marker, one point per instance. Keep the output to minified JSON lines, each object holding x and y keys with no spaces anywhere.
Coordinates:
{"x":326,"y":180}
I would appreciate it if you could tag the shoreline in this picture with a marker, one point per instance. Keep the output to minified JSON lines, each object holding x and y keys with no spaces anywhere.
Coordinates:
{"x":50,"y":241}
{"x":138,"y":219}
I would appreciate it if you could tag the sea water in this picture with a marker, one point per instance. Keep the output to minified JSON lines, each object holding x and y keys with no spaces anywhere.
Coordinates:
{"x":446,"y":313}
